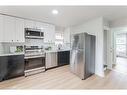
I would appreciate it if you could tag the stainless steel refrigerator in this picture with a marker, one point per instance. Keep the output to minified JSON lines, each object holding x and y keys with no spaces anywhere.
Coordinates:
{"x":82,"y":55}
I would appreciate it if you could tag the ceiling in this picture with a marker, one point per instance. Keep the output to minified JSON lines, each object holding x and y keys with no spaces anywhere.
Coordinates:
{"x":68,"y":15}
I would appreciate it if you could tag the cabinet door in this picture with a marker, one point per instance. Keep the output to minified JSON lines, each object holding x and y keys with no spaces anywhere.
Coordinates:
{"x":19,"y":34}
{"x":39,"y":25}
{"x":53,"y":59}
{"x":46,"y":34}
{"x":29,"y":24}
{"x":9,"y":29}
{"x":15,"y":66}
{"x":48,"y":60}
{"x":63,"y":58}
{"x":3,"y":67}
{"x":1,"y":28}
{"x":49,"y":34}
{"x":52,"y":33}
{"x":66,"y":35}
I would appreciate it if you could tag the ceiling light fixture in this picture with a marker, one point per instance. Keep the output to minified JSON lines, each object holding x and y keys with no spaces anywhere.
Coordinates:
{"x":55,"y":11}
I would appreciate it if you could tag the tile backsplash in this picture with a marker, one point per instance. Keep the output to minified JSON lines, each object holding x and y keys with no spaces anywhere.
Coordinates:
{"x":6,"y":47}
{"x":34,"y":42}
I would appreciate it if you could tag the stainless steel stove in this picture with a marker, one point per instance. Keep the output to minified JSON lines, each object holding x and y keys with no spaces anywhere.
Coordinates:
{"x":34,"y":60}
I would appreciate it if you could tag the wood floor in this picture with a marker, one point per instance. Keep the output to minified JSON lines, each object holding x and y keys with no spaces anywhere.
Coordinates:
{"x":121,"y":65}
{"x":62,"y":78}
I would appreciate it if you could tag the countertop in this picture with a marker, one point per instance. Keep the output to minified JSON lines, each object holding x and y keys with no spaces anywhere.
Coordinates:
{"x":22,"y":53}
{"x":10,"y":54}
{"x":50,"y":51}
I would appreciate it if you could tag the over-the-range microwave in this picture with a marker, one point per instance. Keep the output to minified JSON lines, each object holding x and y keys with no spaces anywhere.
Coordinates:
{"x":34,"y":33}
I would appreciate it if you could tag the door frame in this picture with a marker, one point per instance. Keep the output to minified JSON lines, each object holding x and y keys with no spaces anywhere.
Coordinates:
{"x":115,"y":31}
{"x":109,"y":47}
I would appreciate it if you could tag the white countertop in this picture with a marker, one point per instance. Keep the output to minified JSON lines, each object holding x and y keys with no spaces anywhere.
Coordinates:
{"x":22,"y":53}
{"x":50,"y":51}
{"x":10,"y":54}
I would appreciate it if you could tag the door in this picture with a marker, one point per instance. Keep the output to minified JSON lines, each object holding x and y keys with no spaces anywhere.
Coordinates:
{"x":19,"y":33}
{"x":77,"y":55}
{"x":54,"y":59}
{"x":39,"y":25}
{"x":33,"y":63}
{"x":29,"y":24}
{"x":49,"y":33}
{"x":79,"y":69}
{"x":73,"y":56}
{"x":15,"y":66}
{"x":3,"y":67}
{"x":9,"y":29}
{"x":110,"y":48}
{"x":78,"y":41}
{"x":48,"y":60}
{"x":1,"y":28}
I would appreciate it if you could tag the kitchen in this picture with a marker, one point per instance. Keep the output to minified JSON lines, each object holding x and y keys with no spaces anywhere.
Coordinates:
{"x":24,"y":52}
{"x":57,"y":48}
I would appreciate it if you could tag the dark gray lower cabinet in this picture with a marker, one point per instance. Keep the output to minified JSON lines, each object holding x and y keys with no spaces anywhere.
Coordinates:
{"x":11,"y":66}
{"x":63,"y":58}
{"x":3,"y":67}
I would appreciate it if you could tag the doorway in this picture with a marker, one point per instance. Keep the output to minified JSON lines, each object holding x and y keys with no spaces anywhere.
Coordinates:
{"x":120,"y":52}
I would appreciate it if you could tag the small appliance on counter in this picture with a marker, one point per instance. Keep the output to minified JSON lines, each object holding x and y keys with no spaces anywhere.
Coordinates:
{"x":34,"y":60}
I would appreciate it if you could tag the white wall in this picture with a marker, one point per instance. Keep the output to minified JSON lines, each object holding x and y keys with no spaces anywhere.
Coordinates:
{"x":94,"y":27}
{"x":1,"y":48}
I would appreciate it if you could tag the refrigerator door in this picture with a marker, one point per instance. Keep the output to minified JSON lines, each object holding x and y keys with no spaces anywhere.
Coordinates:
{"x":89,"y":56}
{"x":78,"y":41}
{"x":77,"y":55}
{"x":79,"y":64}
{"x":82,"y":56}
{"x":73,"y":60}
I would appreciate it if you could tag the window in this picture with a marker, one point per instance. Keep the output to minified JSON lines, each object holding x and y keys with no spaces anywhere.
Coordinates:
{"x":121,"y":44}
{"x":58,"y":38}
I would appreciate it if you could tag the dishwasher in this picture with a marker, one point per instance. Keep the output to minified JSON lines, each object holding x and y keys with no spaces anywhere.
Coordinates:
{"x":51,"y":59}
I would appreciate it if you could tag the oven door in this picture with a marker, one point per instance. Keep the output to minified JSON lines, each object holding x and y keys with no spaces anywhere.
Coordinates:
{"x":33,"y":63}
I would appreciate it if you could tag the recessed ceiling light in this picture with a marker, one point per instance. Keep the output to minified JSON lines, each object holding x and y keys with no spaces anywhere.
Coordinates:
{"x":55,"y":11}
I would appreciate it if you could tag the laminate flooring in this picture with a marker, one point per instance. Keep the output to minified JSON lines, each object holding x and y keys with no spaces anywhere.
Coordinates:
{"x":62,"y":78}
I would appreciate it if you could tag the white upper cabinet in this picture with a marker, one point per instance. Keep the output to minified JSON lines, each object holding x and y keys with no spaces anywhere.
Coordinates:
{"x":1,"y":28}
{"x":29,"y":24}
{"x":13,"y":29}
{"x":49,"y":33}
{"x":39,"y":25}
{"x":19,"y":33}
{"x":9,"y":29}
{"x":67,"y":34}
